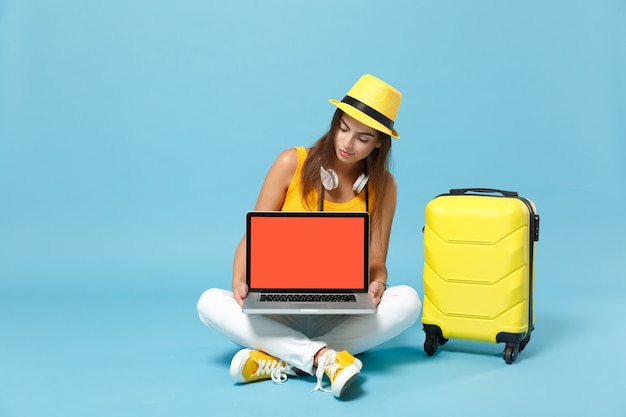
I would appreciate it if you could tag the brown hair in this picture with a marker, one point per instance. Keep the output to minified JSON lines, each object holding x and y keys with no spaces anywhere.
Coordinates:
{"x":321,"y":153}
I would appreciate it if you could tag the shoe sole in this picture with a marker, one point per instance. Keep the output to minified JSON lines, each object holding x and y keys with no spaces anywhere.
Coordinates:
{"x":344,"y":379}
{"x":237,"y":364}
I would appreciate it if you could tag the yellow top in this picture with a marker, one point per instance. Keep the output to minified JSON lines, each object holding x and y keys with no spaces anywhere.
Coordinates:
{"x":294,"y":199}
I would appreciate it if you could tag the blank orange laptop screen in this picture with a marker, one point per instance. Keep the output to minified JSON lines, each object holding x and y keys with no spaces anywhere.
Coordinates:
{"x":307,"y":252}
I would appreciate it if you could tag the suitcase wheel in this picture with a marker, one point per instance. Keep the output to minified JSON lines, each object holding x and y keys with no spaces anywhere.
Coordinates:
{"x":510,"y":352}
{"x":512,"y":349}
{"x":431,"y":344}
{"x":434,"y":338}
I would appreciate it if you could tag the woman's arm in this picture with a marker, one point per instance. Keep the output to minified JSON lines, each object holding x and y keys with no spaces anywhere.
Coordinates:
{"x":271,"y":198}
{"x":380,"y":233}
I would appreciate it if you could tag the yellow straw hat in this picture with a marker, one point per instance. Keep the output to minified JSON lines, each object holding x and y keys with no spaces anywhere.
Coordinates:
{"x":372,"y":102}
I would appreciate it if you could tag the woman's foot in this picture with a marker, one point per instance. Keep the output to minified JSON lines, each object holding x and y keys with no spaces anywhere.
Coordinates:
{"x":340,"y":367}
{"x":253,"y":365}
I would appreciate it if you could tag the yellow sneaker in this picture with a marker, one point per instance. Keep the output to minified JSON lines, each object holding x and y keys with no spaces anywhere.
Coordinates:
{"x":253,"y":365}
{"x":341,"y":368}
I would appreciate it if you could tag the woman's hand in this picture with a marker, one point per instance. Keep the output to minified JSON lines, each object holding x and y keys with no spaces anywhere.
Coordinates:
{"x":376,"y":290}
{"x":240,"y":291}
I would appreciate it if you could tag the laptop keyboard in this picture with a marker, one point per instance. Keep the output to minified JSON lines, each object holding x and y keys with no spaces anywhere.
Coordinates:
{"x":315,"y":298}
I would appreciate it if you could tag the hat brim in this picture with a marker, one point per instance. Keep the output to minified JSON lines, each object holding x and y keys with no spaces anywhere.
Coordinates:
{"x":364,"y":118}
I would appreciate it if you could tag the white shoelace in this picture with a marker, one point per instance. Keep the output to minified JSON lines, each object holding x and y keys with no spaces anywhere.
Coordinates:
{"x":325,"y":363}
{"x":276,"y":369}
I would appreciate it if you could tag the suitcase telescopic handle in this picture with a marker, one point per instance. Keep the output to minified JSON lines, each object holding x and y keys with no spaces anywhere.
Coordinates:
{"x":457,"y":191}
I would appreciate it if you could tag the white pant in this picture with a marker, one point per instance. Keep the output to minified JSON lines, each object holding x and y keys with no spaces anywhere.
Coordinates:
{"x":296,"y":339}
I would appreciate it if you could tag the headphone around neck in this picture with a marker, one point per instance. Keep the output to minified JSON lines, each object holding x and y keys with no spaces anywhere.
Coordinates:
{"x":330,"y":180}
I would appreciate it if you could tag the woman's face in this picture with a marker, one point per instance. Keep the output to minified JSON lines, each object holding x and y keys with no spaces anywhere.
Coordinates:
{"x":354,"y":141}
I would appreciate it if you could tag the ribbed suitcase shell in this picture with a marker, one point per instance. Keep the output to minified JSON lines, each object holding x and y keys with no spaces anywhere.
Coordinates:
{"x":479,"y":269}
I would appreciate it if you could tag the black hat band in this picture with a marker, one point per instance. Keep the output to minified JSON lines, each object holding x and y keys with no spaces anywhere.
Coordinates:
{"x":374,"y":114}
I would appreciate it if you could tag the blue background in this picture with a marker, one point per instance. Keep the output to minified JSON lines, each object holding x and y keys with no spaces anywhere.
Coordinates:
{"x":134,"y":135}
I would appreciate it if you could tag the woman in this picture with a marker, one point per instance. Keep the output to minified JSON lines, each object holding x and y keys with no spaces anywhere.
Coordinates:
{"x":345,"y":170}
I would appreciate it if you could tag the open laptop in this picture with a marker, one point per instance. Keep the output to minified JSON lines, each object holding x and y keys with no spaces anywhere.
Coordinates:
{"x":307,"y":263}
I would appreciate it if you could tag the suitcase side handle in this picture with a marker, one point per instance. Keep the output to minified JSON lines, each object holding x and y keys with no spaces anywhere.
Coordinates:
{"x":459,"y":191}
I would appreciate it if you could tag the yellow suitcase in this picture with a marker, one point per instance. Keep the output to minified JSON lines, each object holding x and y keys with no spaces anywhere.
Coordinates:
{"x":479,"y":246}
